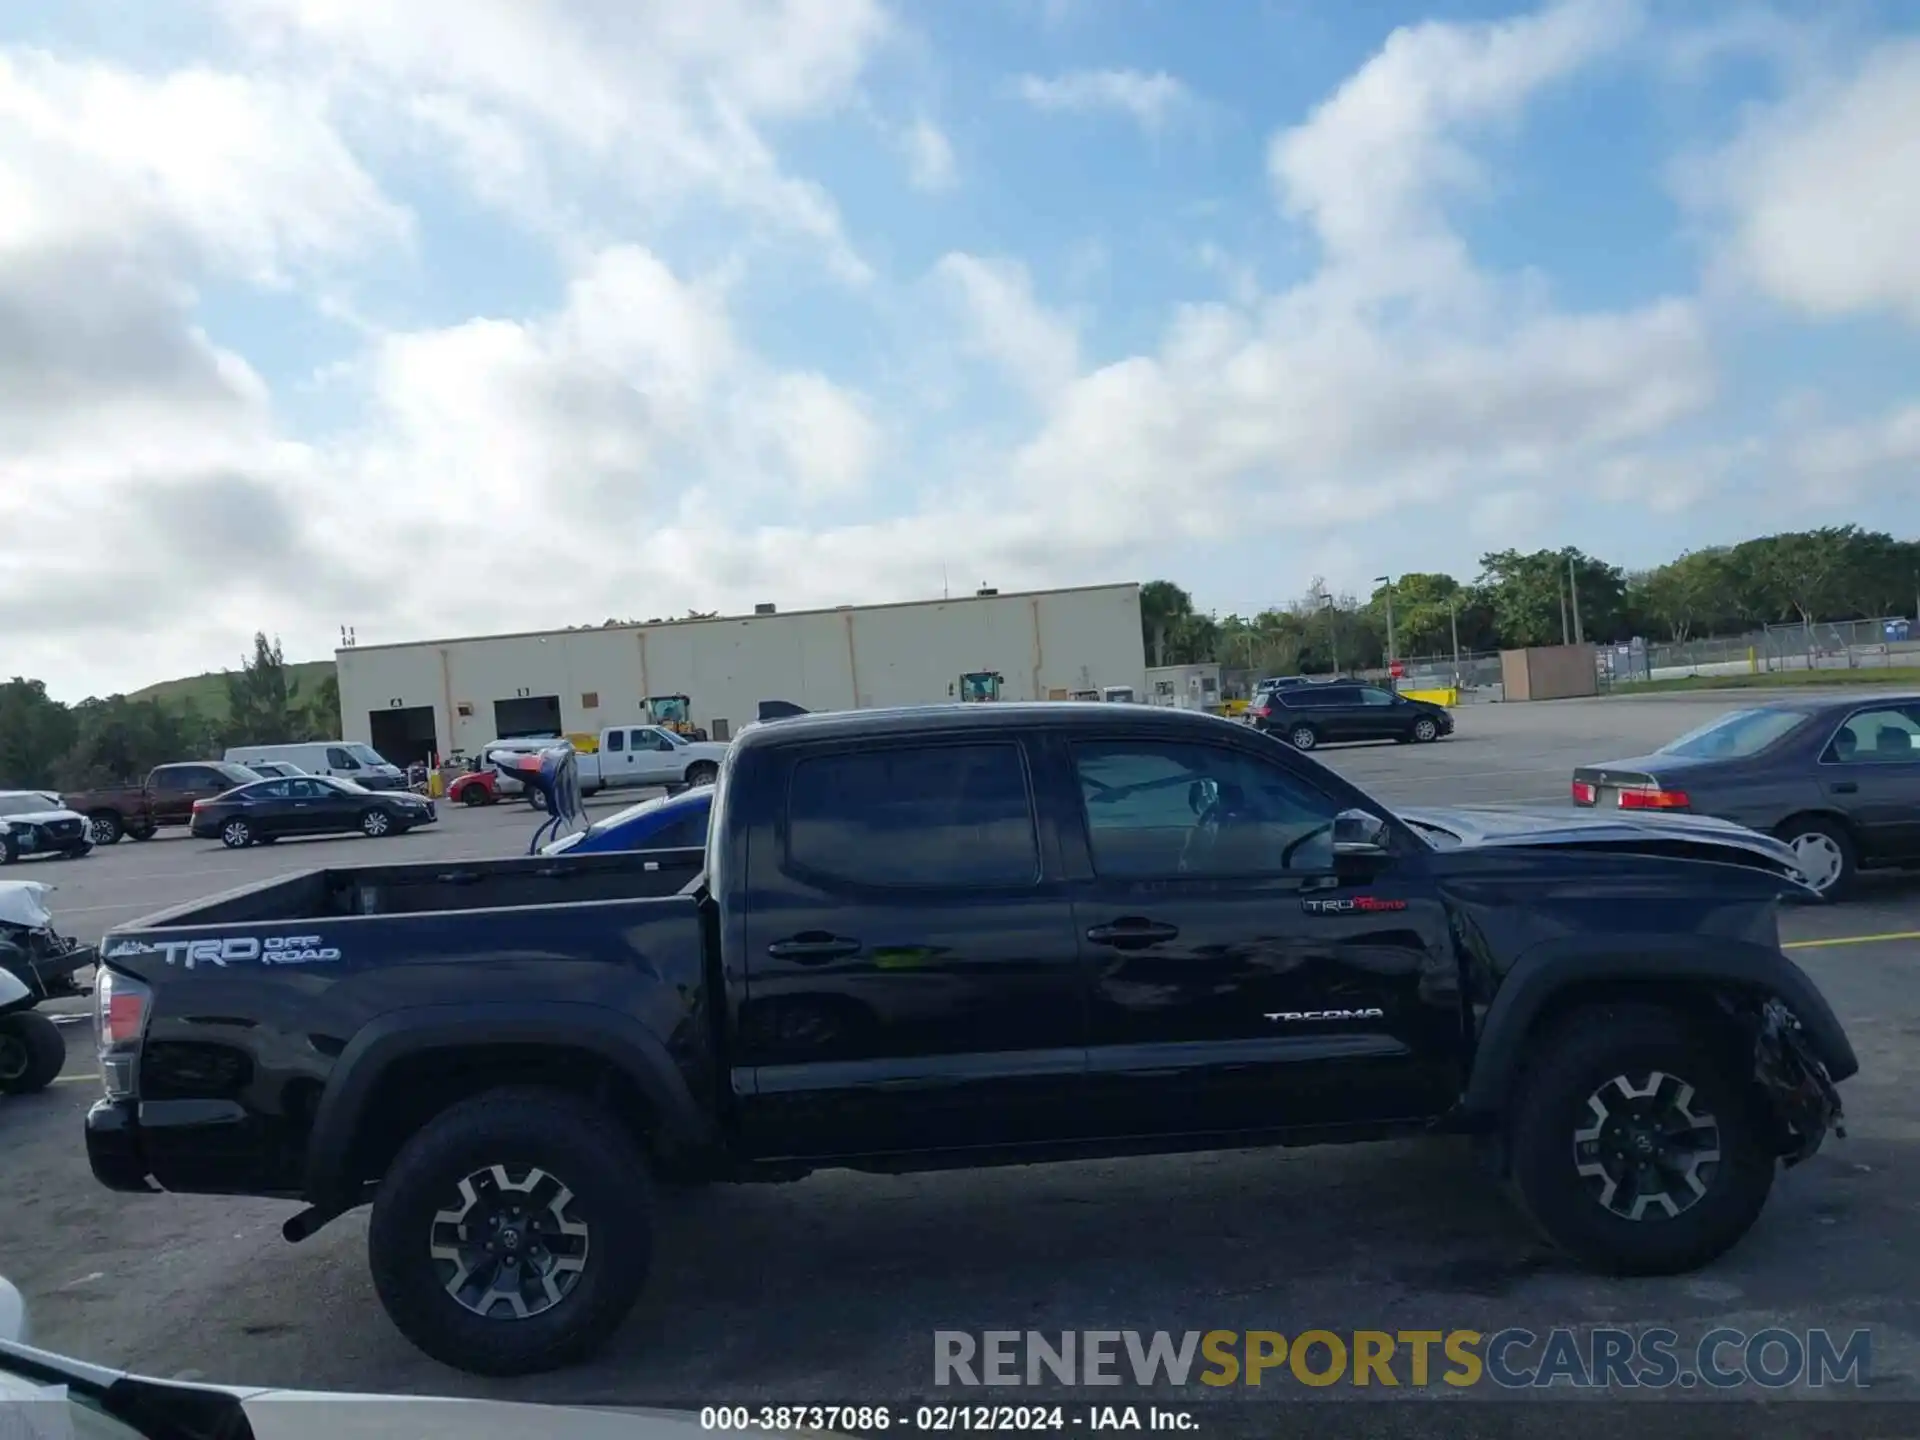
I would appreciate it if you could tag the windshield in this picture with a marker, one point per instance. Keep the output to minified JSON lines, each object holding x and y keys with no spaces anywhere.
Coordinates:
{"x":671,"y":737}
{"x":24,"y":804}
{"x":1437,"y":836}
{"x":352,"y":787}
{"x":367,"y":755}
{"x":1734,"y":736}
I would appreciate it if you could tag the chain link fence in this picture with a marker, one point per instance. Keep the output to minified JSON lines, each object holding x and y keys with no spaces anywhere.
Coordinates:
{"x":1840,"y":645}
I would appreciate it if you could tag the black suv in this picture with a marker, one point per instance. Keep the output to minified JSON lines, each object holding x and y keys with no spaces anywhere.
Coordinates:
{"x":1310,"y":715}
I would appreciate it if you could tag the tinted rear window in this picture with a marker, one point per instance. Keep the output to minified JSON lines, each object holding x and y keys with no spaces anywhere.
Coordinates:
{"x":936,"y":815}
{"x":1736,"y":735}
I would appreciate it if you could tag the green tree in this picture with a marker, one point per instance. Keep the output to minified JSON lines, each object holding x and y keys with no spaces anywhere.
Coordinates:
{"x":119,"y":740}
{"x":35,"y":732}
{"x":1164,"y":610}
{"x":323,"y":720}
{"x":1526,"y":593}
{"x":263,"y":701}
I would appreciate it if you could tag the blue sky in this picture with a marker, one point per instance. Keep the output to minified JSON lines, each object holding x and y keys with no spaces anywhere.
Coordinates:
{"x":479,"y":315}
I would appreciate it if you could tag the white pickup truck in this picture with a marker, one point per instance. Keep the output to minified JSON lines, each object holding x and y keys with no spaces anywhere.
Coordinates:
{"x":631,"y":756}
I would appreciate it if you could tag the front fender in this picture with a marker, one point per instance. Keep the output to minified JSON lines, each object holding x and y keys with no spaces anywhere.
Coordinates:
{"x":1553,"y":966}
{"x":610,"y":1035}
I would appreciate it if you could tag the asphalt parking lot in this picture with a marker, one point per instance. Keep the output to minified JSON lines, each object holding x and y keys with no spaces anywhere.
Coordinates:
{"x":829,"y":1290}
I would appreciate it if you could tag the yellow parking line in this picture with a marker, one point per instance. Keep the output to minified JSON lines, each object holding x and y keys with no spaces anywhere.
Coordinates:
{"x":1852,"y":940}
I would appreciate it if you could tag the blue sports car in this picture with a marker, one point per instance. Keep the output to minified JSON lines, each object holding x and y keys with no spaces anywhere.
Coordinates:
{"x":670,"y":822}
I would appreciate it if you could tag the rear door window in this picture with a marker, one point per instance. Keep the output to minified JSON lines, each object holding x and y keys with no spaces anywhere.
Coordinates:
{"x":932,"y":816}
{"x":1887,"y":735}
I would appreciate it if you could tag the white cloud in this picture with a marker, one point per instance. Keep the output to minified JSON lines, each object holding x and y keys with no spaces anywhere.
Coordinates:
{"x":1150,"y":100}
{"x":1003,"y":321}
{"x":1374,"y":166}
{"x":655,"y":102}
{"x":1817,"y":196}
{"x":929,"y":156}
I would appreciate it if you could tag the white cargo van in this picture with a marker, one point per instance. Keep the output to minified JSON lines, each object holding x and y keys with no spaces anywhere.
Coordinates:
{"x":346,"y":759}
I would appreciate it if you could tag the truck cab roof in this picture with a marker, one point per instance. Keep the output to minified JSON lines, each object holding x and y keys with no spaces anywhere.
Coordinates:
{"x":1082,"y":715}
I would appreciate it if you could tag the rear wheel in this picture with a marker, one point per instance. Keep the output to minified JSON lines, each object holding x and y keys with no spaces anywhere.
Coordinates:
{"x":376,"y":823}
{"x":513,"y":1233}
{"x":702,"y":773}
{"x":105,"y":827}
{"x":1303,"y":737}
{"x":1824,"y":852}
{"x":32,"y":1052}
{"x":236,"y":834}
{"x":1637,"y":1146}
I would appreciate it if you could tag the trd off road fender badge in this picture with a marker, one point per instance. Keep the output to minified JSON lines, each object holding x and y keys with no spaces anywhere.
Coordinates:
{"x":1352,"y":905}
{"x":237,"y":950}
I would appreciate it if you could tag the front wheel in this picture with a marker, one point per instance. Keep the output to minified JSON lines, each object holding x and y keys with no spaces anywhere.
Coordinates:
{"x":1636,"y":1146}
{"x":1303,"y":737}
{"x":1425,"y":730}
{"x":78,"y":852}
{"x":474,"y":796}
{"x":513,"y":1233}
{"x":32,"y":1052}
{"x":104,"y":827}
{"x":9,"y":850}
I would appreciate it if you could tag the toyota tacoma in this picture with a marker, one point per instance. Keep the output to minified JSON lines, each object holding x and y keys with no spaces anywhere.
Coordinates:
{"x":966,"y":935}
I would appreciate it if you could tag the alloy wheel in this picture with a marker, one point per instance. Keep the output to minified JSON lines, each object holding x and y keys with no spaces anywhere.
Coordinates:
{"x":1647,"y":1151}
{"x":510,"y":1247}
{"x":1303,"y":738}
{"x":1819,"y":859}
{"x":236,"y":834}
{"x":1424,"y":730}
{"x":375,"y":823}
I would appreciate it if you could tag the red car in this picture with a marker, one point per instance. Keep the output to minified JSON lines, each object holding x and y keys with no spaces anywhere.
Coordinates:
{"x":478,"y":787}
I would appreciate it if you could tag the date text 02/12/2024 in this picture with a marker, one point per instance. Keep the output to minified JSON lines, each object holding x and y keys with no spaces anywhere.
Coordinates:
{"x":945,"y":1419}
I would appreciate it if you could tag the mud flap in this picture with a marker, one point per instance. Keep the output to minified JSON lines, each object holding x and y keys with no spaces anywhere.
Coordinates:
{"x":1797,"y":1083}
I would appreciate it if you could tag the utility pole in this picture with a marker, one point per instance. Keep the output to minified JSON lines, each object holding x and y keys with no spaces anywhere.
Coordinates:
{"x":1573,"y":592}
{"x":1566,"y":636}
{"x":1453,"y":623}
{"x":1333,"y":631}
{"x":1387,"y":580}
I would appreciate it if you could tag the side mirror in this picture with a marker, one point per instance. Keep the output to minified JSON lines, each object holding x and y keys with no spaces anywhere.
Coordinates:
{"x":1359,"y":833}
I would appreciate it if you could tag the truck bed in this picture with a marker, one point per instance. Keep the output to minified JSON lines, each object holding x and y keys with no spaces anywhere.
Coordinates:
{"x":431,"y":887}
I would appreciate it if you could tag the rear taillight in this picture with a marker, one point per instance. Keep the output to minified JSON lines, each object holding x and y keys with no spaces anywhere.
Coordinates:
{"x":120,"y":1018}
{"x":1584,"y":793}
{"x":1653,"y":798}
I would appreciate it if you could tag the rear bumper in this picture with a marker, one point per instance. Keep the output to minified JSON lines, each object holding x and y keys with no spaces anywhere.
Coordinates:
{"x":113,"y":1147}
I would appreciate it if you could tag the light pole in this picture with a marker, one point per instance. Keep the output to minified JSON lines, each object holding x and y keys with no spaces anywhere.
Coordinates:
{"x":1453,"y":624}
{"x":1333,"y":630}
{"x":1387,"y":580}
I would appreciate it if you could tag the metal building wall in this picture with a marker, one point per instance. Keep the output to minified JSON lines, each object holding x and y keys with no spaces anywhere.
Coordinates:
{"x":909,"y":654}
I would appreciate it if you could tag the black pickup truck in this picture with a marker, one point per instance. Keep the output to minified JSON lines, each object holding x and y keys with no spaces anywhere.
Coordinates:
{"x":960,"y":936}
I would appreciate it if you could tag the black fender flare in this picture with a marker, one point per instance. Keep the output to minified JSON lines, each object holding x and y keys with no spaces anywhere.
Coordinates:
{"x":611,"y":1035}
{"x":1552,"y":966}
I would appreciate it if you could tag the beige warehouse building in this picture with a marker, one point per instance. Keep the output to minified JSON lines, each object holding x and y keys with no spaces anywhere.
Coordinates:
{"x":441,"y":696}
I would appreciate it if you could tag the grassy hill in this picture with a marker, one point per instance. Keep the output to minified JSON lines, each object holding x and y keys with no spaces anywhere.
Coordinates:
{"x":209,"y":692}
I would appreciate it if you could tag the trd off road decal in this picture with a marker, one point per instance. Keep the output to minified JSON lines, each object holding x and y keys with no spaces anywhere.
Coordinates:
{"x":237,"y":950}
{"x":1353,"y":905}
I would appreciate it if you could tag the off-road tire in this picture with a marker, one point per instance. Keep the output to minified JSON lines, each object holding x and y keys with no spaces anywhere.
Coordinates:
{"x":32,"y":1052}
{"x":701,"y":772}
{"x":236,"y":834}
{"x":105,"y":828}
{"x":1574,"y":1062}
{"x":580,"y":1146}
{"x":1807,"y":826}
{"x":1303,"y":736}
